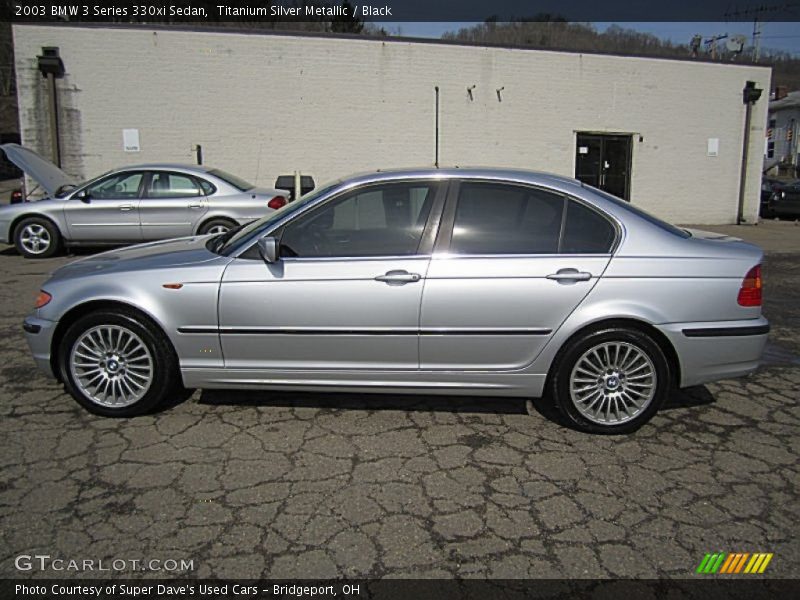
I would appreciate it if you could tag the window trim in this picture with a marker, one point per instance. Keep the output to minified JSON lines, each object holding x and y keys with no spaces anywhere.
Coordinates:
{"x":443,"y":242}
{"x":424,"y":247}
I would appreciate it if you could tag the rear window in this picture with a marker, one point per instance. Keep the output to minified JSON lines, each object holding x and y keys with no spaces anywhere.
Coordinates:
{"x":641,"y":213}
{"x":237,"y":182}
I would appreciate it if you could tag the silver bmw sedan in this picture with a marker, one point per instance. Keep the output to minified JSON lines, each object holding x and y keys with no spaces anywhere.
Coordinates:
{"x":484,"y":281}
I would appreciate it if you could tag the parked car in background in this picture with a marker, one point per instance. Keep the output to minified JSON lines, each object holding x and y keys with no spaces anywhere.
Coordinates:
{"x":431,"y":281}
{"x":768,"y":187}
{"x":784,"y":200}
{"x":130,"y":205}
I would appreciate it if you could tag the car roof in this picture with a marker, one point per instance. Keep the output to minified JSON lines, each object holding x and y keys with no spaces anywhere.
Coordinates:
{"x":179,"y":166}
{"x":498,"y":173}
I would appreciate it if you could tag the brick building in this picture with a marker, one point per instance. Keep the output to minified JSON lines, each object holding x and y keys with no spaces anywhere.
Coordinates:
{"x":667,"y":134}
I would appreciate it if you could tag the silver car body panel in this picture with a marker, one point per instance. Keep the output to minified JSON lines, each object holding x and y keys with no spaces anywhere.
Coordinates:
{"x":467,"y":325}
{"x":133,"y":220}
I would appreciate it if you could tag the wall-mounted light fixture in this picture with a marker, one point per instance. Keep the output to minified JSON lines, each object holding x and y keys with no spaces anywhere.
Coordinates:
{"x":498,"y":90}
{"x":469,"y":92}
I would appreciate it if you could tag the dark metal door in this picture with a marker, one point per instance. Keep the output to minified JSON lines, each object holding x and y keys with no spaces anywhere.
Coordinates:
{"x":604,"y":161}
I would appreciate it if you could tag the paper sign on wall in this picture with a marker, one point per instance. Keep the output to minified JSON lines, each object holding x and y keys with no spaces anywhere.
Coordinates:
{"x":583,"y":150}
{"x":713,"y":146}
{"x":130,"y":140}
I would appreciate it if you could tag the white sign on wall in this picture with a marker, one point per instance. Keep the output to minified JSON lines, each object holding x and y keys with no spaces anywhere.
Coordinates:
{"x":713,"y":146}
{"x":130,"y":140}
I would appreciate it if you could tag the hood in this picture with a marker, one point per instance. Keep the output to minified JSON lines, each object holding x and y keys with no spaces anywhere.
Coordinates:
{"x":165,"y":254}
{"x":41,"y":170}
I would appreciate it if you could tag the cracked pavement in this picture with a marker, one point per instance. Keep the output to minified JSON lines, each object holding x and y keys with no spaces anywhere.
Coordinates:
{"x":300,"y":485}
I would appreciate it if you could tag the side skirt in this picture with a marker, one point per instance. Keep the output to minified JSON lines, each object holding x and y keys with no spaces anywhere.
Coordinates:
{"x":390,"y":382}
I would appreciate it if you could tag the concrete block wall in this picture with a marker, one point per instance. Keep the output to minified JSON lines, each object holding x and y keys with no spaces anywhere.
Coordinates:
{"x":263,"y":105}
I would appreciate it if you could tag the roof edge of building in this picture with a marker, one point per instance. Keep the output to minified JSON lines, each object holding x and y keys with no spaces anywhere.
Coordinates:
{"x":371,"y":38}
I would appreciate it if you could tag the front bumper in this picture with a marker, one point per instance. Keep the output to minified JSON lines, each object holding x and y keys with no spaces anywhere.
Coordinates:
{"x":39,"y":334}
{"x":715,"y":350}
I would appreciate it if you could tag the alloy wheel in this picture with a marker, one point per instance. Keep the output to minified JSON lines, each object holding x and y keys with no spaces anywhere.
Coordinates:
{"x":111,"y":366}
{"x":35,"y":238}
{"x":612,"y":382}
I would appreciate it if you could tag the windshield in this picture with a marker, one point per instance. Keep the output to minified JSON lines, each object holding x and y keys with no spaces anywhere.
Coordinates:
{"x":225,"y":242}
{"x":67,"y":189}
{"x":641,"y":213}
{"x":237,"y":182}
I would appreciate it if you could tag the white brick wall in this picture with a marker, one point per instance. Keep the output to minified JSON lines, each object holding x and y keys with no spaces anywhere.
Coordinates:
{"x":263,"y":105}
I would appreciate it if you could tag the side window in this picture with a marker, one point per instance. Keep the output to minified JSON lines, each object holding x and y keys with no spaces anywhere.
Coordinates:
{"x":172,"y":185}
{"x":586,"y":231}
{"x":381,"y":220}
{"x":117,"y":186}
{"x":496,"y":218}
{"x":207,"y":188}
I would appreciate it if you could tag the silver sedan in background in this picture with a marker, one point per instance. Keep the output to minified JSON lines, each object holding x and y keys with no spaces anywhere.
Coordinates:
{"x":449,"y":281}
{"x":130,"y":205}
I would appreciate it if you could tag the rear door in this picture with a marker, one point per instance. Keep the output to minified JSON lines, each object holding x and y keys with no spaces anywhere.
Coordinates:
{"x":107,"y":210}
{"x":511,"y":263}
{"x":172,"y":205}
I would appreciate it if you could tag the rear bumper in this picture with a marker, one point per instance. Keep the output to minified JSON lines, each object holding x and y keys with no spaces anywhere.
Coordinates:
{"x":39,"y":334}
{"x":718,"y":349}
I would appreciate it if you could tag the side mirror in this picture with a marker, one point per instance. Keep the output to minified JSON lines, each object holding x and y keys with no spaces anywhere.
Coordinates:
{"x":268,"y":249}
{"x":83,"y":196}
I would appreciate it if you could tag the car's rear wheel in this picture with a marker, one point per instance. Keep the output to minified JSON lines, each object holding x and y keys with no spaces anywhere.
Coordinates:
{"x":216,"y":226}
{"x":117,"y":364}
{"x":610,"y":380}
{"x":36,"y":237}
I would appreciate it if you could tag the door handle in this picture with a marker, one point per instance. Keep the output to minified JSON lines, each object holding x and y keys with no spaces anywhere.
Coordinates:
{"x":568,"y":275}
{"x":398,"y":277}
{"x":195,"y":206}
{"x":126,"y":207}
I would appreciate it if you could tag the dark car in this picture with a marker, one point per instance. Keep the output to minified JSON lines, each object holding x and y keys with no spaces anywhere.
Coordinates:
{"x":768,"y":187}
{"x":784,"y":200}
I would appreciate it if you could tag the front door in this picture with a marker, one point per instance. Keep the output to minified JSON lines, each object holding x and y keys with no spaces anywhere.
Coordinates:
{"x":604,"y":161}
{"x":511,"y":264}
{"x":172,"y":205}
{"x":106,"y":210}
{"x":346,"y":291}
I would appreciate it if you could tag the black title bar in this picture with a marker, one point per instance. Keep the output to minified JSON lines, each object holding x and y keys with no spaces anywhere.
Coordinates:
{"x":254,"y":11}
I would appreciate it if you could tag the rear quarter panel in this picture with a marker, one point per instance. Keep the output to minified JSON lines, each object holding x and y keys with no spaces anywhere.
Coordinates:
{"x":660,"y":278}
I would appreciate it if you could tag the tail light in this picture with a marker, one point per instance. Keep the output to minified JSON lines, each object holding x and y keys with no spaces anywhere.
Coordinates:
{"x":750,"y":292}
{"x":16,"y":197}
{"x":277,"y":202}
{"x":42,"y":299}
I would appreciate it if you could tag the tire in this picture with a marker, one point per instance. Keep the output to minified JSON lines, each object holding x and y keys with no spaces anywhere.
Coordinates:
{"x":37,"y":237}
{"x":115,"y":363}
{"x":220,"y":225}
{"x":635,"y":380}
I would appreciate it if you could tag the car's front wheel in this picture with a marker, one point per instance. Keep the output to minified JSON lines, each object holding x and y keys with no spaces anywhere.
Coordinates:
{"x":117,"y":364}
{"x":36,"y":237}
{"x":610,"y":380}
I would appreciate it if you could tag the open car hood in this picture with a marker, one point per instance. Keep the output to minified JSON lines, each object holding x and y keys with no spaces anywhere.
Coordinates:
{"x":41,"y":170}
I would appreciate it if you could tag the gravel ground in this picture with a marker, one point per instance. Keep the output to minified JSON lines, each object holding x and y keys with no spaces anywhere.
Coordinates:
{"x":321,"y":485}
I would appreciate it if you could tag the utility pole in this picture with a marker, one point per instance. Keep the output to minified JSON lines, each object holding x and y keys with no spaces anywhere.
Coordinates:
{"x":756,"y":39}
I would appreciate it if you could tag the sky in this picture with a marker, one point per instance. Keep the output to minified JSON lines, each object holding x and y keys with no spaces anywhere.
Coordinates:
{"x":778,"y":35}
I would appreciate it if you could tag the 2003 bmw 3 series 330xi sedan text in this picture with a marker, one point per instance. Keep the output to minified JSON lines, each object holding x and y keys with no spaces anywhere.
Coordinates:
{"x":487,"y":282}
